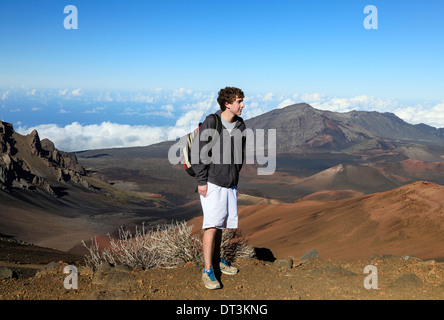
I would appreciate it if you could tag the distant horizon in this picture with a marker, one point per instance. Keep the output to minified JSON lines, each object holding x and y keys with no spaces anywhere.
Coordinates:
{"x":88,"y":119}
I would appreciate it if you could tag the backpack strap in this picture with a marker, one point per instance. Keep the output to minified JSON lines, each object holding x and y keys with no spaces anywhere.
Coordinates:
{"x":218,"y":122}
{"x":218,"y":128}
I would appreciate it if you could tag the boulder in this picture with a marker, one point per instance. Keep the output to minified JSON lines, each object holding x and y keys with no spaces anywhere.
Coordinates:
{"x":407,"y":281}
{"x":312,"y":254}
{"x":284,"y":263}
{"x":7,"y":273}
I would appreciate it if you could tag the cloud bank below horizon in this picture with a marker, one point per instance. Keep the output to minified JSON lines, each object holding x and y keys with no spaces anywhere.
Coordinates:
{"x":82,"y":120}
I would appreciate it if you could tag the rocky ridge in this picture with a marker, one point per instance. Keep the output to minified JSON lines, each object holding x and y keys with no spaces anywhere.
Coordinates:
{"x":26,"y":162}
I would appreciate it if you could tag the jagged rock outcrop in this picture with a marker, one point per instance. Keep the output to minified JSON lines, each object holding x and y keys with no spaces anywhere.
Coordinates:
{"x":70,"y":169}
{"x":27,"y":162}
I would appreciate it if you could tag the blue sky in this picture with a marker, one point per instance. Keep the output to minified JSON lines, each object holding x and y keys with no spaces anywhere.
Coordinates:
{"x":158,"y":64}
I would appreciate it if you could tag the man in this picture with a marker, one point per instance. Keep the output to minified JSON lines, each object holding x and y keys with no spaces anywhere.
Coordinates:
{"x":217,"y":179}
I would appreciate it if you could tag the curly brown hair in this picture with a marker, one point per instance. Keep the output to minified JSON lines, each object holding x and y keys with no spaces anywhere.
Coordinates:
{"x":229,"y":95}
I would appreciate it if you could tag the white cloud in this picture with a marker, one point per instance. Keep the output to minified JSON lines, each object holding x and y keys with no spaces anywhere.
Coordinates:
{"x":163,"y":111}
{"x":190,"y":118}
{"x":32,"y":92}
{"x":168,"y":107}
{"x":180,"y":94}
{"x":430,"y":115}
{"x":76,"y":92}
{"x":268,"y":96}
{"x":75,"y":137}
{"x":95,"y":110}
{"x":68,"y":94}
{"x":142,"y":98}
{"x":182,"y":91}
{"x":285,"y":103}
{"x":5,"y":95}
{"x":341,"y":104}
{"x":334,"y":104}
{"x":252,"y":109}
{"x":197,"y":111}
{"x":105,"y":97}
{"x":130,"y":111}
{"x":197,"y":95}
{"x":167,"y":110}
{"x":310,"y":97}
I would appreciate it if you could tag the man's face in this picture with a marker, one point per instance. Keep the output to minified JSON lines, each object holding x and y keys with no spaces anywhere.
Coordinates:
{"x":236,"y":106}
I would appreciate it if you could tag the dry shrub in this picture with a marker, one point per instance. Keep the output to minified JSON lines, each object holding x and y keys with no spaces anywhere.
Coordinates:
{"x":96,"y":256}
{"x":176,"y":245}
{"x":138,"y":250}
{"x":167,"y":246}
{"x":235,"y":245}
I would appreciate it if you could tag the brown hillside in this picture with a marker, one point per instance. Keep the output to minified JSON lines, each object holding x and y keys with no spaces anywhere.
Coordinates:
{"x":365,"y":179}
{"x":406,"y":221}
{"x":331,"y":195}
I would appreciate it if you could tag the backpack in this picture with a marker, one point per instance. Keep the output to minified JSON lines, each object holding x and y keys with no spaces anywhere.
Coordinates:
{"x":190,"y":139}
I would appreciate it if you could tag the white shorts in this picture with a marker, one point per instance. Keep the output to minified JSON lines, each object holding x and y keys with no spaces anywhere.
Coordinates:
{"x":219,"y":207}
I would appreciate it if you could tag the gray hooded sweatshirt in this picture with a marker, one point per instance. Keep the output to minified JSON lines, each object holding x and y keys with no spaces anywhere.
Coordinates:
{"x":221,"y":165}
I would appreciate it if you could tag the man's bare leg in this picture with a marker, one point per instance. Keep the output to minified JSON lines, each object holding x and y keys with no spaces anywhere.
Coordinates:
{"x":211,"y":242}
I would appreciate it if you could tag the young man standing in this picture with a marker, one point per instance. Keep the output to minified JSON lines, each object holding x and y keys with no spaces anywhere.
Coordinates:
{"x":217,"y":180}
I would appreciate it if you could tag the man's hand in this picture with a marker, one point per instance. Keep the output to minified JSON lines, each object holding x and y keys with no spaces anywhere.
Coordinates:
{"x":202,"y":190}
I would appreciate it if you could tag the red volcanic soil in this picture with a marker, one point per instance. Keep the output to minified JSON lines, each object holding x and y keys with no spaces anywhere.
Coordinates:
{"x":420,"y":168}
{"x":366,"y":179}
{"x":405,"y":221}
{"x":331,"y":195}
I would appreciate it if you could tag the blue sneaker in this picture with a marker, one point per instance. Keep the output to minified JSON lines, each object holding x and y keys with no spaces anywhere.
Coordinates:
{"x":226,"y":268}
{"x":209,"y":279}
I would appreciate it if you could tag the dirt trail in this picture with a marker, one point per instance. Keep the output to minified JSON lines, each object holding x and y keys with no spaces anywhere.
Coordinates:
{"x":311,"y":279}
